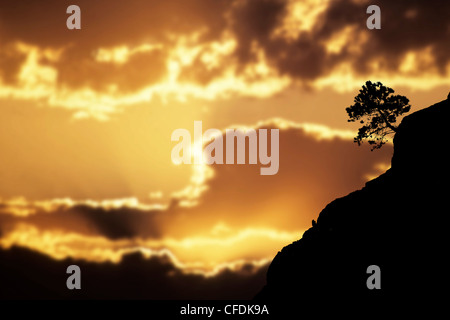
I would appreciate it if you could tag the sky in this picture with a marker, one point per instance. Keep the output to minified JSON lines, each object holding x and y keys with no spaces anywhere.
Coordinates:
{"x":87,"y":115}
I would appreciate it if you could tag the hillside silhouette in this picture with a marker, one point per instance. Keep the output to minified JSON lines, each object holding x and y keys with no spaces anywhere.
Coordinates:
{"x":396,"y":221}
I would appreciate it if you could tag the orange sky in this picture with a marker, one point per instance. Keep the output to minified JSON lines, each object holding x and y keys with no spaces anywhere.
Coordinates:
{"x":87,"y":116}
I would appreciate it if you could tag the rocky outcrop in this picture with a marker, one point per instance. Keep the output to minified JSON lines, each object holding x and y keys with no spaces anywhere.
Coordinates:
{"x":397,"y":222}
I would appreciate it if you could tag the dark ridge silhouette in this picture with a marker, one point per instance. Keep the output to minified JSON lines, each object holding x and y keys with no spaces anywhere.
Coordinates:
{"x":396,"y":221}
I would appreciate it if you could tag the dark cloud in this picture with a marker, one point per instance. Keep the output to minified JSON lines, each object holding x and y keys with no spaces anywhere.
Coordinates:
{"x":254,"y":21}
{"x":406,"y":26}
{"x":82,"y":219}
{"x":107,"y":24}
{"x":30,"y":275}
{"x":142,"y":69}
{"x":400,"y":32}
{"x":306,"y":58}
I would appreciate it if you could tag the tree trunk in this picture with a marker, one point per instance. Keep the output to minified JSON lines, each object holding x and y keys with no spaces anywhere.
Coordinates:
{"x":390,"y":126}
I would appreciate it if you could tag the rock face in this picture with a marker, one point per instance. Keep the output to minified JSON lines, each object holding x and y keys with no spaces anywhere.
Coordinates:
{"x":397,"y":222}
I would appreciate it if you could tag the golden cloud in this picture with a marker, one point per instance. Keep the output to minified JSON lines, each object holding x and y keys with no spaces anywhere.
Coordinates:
{"x":122,"y":54}
{"x":202,"y":231}
{"x":38,"y":78}
{"x":197,"y":254}
{"x":300,"y":16}
{"x":256,"y":49}
{"x":21,"y":207}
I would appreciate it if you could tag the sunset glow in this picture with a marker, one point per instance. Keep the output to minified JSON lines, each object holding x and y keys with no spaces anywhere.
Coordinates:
{"x":87,"y":116}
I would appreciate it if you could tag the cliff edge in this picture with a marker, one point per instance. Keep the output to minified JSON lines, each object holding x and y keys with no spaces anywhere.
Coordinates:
{"x":396,"y":222}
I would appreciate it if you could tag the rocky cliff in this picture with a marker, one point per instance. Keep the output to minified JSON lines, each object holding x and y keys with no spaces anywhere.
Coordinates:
{"x":397,"y":222}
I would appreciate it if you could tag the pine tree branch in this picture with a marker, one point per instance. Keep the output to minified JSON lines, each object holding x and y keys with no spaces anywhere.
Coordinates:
{"x":386,"y":120}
